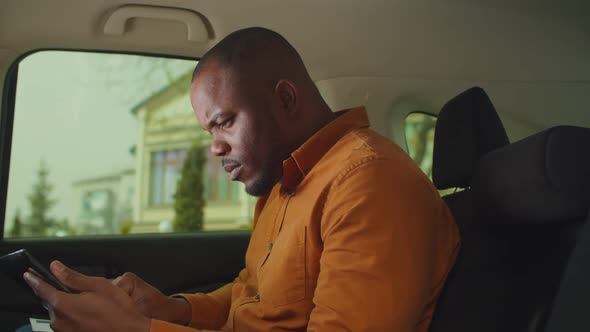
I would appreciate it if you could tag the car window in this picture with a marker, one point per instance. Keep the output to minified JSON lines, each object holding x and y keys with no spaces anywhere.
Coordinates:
{"x":108,"y":144}
{"x":419,"y":131}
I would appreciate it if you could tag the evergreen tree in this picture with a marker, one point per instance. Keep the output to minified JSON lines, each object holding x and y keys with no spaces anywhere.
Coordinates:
{"x":17,"y":225}
{"x":189,"y":201}
{"x":41,"y":203}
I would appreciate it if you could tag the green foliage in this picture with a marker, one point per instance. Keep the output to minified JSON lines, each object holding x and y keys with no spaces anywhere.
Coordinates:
{"x":189,"y":201}
{"x":39,"y":222}
{"x":248,"y":226}
{"x":418,"y":135}
{"x":17,"y":225}
{"x":61,"y":228}
{"x":126,"y":227}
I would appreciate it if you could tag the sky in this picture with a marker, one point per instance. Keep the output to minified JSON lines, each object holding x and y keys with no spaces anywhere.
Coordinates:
{"x":73,"y":112}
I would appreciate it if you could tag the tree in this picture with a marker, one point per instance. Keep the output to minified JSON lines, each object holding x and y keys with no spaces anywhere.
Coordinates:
{"x":17,"y":225}
{"x":143,"y":75}
{"x":189,"y":201}
{"x":41,"y":203}
{"x":62,"y":228}
{"x":419,"y":133}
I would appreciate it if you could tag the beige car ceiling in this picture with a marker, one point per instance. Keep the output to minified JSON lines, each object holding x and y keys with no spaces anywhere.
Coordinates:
{"x":533,"y":57}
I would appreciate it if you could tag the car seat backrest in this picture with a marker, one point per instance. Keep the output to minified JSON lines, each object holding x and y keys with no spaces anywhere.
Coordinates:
{"x":537,"y":191}
{"x":528,"y":201}
{"x":467,"y":128}
{"x":569,"y":310}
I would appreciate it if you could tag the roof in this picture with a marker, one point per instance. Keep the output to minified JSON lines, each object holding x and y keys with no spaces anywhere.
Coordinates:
{"x":104,"y":177}
{"x":159,"y":93}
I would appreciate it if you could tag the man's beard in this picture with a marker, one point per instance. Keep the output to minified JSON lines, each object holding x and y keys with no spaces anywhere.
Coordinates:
{"x":263,"y":185}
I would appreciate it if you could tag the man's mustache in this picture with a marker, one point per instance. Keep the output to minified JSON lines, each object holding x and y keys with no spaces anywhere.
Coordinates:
{"x":229,"y":161}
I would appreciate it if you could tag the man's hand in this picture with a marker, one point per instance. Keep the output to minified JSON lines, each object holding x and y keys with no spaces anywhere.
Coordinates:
{"x":152,"y":303}
{"x":100,"y":306}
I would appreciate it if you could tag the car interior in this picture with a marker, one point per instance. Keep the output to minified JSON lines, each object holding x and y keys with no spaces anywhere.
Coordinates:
{"x":488,"y":97}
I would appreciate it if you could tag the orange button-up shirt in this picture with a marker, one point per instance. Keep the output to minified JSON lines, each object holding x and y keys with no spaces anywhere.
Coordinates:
{"x":354,"y":238}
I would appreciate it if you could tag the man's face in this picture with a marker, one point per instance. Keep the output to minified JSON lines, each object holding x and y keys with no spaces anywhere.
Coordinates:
{"x":245,"y":132}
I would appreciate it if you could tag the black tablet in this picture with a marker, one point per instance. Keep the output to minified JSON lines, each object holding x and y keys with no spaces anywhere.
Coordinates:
{"x":15,"y":264}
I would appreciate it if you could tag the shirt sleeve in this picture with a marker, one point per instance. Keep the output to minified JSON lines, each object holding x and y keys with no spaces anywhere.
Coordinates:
{"x":162,"y":326}
{"x":208,"y":311}
{"x":381,"y":233}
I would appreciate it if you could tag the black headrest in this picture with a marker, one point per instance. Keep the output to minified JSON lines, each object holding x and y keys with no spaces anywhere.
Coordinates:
{"x":543,"y":178}
{"x":467,"y":128}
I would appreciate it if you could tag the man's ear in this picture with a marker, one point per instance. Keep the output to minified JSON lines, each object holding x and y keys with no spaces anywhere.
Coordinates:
{"x":287,"y":93}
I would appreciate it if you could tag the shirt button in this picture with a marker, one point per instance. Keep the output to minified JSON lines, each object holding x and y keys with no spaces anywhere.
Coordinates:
{"x":257,"y":297}
{"x":270,"y":246}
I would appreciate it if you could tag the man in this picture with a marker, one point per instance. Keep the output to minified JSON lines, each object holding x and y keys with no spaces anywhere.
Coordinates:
{"x":348,"y":233}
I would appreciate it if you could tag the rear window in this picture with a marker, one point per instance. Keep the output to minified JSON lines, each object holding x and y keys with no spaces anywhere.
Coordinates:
{"x":108,"y":144}
{"x":419,"y":132}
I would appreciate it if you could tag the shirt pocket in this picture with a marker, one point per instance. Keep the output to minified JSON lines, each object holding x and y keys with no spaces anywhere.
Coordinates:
{"x":283,"y":273}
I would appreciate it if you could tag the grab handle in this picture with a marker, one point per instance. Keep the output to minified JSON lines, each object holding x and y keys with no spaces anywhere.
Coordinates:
{"x":196,"y":26}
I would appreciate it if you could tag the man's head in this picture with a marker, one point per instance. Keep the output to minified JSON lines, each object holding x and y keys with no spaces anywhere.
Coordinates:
{"x":253,"y":94}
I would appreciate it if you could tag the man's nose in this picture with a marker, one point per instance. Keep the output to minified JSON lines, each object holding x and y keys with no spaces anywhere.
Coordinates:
{"x":219,"y":148}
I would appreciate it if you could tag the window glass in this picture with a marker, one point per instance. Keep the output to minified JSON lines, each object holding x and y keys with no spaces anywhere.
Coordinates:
{"x":108,"y":144}
{"x":219,"y":188}
{"x":419,"y":130}
{"x":166,"y":169}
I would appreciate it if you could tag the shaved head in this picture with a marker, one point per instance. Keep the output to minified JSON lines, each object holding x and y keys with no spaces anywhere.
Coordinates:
{"x":253,"y":93}
{"x":253,"y":51}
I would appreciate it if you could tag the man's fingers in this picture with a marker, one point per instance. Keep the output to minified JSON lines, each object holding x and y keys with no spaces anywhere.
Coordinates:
{"x":73,"y":279}
{"x":34,"y":272}
{"x":126,"y":282}
{"x":42,"y":289}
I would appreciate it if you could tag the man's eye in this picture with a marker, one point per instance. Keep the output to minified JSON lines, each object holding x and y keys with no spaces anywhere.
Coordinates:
{"x":225,"y":123}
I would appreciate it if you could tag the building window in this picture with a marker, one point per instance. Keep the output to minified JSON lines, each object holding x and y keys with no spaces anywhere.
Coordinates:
{"x":97,"y":212}
{"x":166,"y":169}
{"x":218,"y":186}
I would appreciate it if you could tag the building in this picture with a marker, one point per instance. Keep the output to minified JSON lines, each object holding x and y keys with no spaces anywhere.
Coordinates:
{"x":105,"y":203}
{"x":141,"y":200}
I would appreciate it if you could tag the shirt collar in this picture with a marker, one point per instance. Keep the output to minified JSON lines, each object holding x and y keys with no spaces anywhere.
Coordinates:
{"x":307,"y":155}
